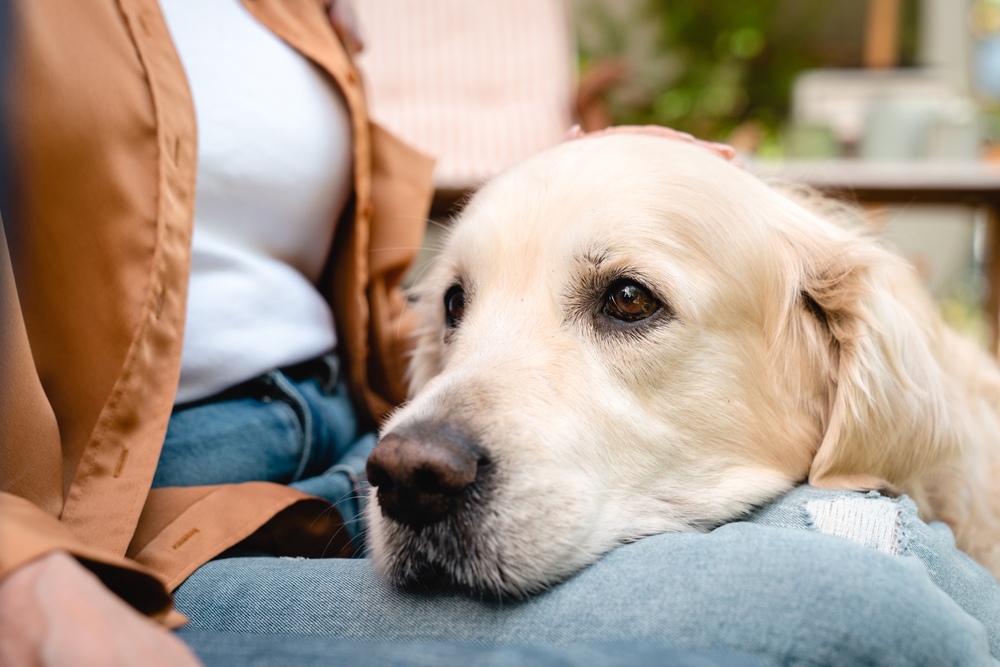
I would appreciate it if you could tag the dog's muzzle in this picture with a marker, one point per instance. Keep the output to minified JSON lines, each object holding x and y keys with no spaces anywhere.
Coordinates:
{"x":424,"y":473}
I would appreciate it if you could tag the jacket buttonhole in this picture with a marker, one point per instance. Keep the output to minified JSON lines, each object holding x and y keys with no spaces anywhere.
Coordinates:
{"x":159,"y":304}
{"x":121,"y":462}
{"x":143,"y":26}
{"x":177,"y":150}
{"x":184,"y":538}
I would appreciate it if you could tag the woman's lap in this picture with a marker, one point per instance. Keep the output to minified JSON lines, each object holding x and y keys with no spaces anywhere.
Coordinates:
{"x":231,"y":650}
{"x":788,"y":596}
{"x":771,"y":586}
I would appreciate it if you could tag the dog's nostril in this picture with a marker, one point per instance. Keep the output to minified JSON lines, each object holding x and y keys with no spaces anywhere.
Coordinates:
{"x":442,"y":480}
{"x":378,"y":477}
{"x":420,"y":477}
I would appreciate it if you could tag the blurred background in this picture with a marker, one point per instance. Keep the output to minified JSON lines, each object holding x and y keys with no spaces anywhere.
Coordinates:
{"x":893,"y":104}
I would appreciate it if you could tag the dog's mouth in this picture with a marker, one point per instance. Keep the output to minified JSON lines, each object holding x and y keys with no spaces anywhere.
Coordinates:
{"x":447,"y":513}
{"x":439,"y":559}
{"x":458,"y":552}
{"x":435,"y":489}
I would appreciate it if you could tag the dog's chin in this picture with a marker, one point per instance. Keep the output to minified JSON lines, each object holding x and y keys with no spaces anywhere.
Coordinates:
{"x":447,"y":556}
{"x":468,"y":554}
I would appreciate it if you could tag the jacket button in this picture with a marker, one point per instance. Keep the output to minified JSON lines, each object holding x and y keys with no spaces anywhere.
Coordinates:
{"x":352,"y":76}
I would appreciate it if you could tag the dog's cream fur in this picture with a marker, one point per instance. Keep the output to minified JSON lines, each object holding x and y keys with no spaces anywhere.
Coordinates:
{"x":600,"y":435}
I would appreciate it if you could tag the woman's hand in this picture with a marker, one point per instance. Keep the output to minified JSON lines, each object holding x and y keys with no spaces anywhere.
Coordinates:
{"x":55,"y":612}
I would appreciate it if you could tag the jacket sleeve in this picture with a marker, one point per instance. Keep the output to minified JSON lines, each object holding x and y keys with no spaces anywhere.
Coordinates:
{"x":31,"y":472}
{"x":27,"y":533}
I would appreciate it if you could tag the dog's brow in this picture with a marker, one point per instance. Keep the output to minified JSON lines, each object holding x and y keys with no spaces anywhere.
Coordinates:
{"x":594,"y":257}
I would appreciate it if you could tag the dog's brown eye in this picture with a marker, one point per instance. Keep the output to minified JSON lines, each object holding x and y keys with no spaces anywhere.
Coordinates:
{"x":454,"y":305}
{"x":629,"y":301}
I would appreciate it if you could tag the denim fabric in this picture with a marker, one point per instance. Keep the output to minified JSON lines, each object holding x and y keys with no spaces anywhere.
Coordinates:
{"x":927,"y":549}
{"x":224,"y":650}
{"x":303,"y":434}
{"x":772,"y":586}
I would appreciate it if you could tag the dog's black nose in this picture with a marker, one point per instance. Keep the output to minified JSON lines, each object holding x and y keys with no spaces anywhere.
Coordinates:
{"x":421,"y":475}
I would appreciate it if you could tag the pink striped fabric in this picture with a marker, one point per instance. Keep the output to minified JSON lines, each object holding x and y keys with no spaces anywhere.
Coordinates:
{"x":479,"y":84}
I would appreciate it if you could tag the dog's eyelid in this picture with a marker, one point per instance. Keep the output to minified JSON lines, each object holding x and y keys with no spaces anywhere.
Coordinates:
{"x":454,"y":306}
{"x":629,"y":304}
{"x":629,"y":274}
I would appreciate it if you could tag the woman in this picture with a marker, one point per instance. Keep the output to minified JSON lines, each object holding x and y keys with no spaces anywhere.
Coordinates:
{"x":136,"y":127}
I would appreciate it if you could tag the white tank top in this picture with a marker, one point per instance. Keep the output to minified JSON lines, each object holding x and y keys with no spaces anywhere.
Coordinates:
{"x":274,"y":173}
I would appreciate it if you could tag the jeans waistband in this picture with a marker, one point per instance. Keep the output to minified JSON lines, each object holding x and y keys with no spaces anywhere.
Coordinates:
{"x":324,"y":369}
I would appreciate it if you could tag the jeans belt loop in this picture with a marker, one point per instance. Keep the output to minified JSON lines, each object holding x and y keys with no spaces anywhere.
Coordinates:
{"x":332,"y":362}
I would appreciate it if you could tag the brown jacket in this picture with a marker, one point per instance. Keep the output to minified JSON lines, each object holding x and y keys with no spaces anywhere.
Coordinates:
{"x":105,"y":156}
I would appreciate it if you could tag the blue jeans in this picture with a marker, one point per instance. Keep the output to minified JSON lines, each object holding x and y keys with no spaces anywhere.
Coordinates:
{"x":275,"y":429}
{"x":783,"y":586}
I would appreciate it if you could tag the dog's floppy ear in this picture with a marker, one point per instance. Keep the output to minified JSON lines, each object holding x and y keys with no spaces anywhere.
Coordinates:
{"x":888,"y":416}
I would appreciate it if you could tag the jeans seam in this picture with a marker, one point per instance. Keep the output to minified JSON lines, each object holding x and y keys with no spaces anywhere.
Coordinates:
{"x":291,"y":395}
{"x":332,"y":362}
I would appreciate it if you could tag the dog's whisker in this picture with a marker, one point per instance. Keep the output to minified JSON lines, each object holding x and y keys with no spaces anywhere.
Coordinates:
{"x":342,"y":528}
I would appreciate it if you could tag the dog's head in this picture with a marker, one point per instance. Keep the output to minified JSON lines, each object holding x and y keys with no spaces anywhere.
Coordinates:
{"x":626,"y":336}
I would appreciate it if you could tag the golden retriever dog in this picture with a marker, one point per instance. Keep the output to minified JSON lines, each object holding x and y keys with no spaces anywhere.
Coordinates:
{"x":628,"y":335}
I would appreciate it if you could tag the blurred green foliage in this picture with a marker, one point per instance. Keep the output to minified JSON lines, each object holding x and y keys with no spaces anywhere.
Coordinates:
{"x":736,"y":60}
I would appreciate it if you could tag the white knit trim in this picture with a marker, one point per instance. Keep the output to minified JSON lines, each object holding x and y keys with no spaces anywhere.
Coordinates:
{"x":870,"y":522}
